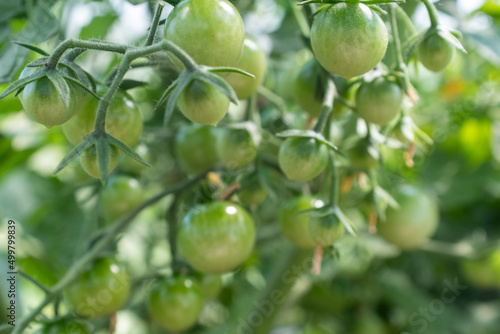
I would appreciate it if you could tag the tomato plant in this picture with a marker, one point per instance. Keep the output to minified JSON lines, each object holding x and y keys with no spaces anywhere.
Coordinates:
{"x":295,"y":220}
{"x":348,"y":39}
{"x":215,"y":22}
{"x":216,"y":237}
{"x":379,"y":101}
{"x":254,"y":61}
{"x":195,"y":147}
{"x":43,"y":103}
{"x":175,"y":303}
{"x":202,"y":103}
{"x":302,"y":159}
{"x":413,"y":222}
{"x":102,"y":289}
{"x":236,"y":148}
{"x":435,"y":53}
{"x":123,"y":121}
{"x":121,"y":195}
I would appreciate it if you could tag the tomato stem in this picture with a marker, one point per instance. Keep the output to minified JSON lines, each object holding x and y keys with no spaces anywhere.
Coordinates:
{"x":327,"y":107}
{"x":396,"y":40}
{"x":154,"y":24}
{"x":433,"y":14}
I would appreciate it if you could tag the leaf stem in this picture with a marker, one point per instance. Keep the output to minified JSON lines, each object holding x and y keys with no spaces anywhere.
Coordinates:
{"x":154,"y":25}
{"x":34,"y":281}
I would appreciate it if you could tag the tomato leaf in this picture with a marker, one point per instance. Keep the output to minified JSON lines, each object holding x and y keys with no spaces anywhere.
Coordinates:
{"x":447,"y":35}
{"x":127,"y":150}
{"x":308,"y":134}
{"x":102,"y":152}
{"x":223,"y":85}
{"x":184,"y":80}
{"x":88,"y":141}
{"x":62,"y":87}
{"x":32,"y":48}
{"x":229,"y":70}
{"x":38,"y":62}
{"x":22,"y":82}
{"x":83,"y":86}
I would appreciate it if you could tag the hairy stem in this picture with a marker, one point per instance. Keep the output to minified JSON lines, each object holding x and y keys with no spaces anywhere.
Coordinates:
{"x":154,"y":24}
{"x":327,"y":107}
{"x":433,"y":14}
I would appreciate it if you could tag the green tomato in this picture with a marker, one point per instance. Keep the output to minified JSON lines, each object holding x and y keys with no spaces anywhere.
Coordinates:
{"x":195,"y":148}
{"x":435,"y":53}
{"x":44,"y":105}
{"x":308,"y":91}
{"x":102,"y":289}
{"x":251,"y":191}
{"x":254,"y":61}
{"x":203,"y":103}
{"x":348,"y":39}
{"x":416,"y":219}
{"x":120,"y":197}
{"x":175,"y":303}
{"x":325,"y":231}
{"x":483,"y":273}
{"x":295,"y":222}
{"x":364,"y":156}
{"x":236,"y":148}
{"x":216,"y":237}
{"x":210,"y":286}
{"x":379,"y":101}
{"x":64,"y":327}
{"x":210,"y":31}
{"x":123,"y":120}
{"x":88,"y":160}
{"x":302,"y":159}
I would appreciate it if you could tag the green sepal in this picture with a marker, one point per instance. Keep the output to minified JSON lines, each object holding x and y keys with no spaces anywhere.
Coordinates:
{"x":32,"y":48}
{"x":62,"y":87}
{"x":102,"y":152}
{"x":38,"y":62}
{"x":184,"y":79}
{"x":228,"y":70}
{"x":308,"y":134}
{"x":127,"y":150}
{"x":219,"y":83}
{"x":22,"y":82}
{"x":88,"y":141}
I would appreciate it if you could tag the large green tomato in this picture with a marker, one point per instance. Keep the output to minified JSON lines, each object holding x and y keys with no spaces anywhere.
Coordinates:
{"x":210,"y":31}
{"x":416,"y":219}
{"x":216,"y":237}
{"x":175,"y":303}
{"x":203,"y":103}
{"x":236,"y":148}
{"x":325,"y":230}
{"x":302,"y":159}
{"x":64,"y":327}
{"x":308,"y":92}
{"x":121,"y":196}
{"x":43,"y":104}
{"x":379,"y":101}
{"x":123,"y":120}
{"x":101,"y":290}
{"x":254,"y":61}
{"x":435,"y":53}
{"x":195,"y":147}
{"x":88,"y":160}
{"x":295,"y":222}
{"x":348,"y":39}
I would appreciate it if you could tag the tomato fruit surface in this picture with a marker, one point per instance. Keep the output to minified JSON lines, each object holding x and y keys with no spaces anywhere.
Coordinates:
{"x":308,"y":91}
{"x":325,"y":231}
{"x":210,"y":31}
{"x":195,"y":147}
{"x":379,"y":101}
{"x":175,"y":303}
{"x":254,"y":61}
{"x":236,"y":148}
{"x":121,"y":196}
{"x":88,"y":160}
{"x":294,"y":221}
{"x":203,"y":103}
{"x":435,"y":53}
{"x":302,"y":159}
{"x":216,"y":237}
{"x":101,"y":290}
{"x":348,"y":39}
{"x":416,"y":219}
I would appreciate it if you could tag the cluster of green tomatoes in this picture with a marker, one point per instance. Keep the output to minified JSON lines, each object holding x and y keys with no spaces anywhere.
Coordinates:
{"x":348,"y":39}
